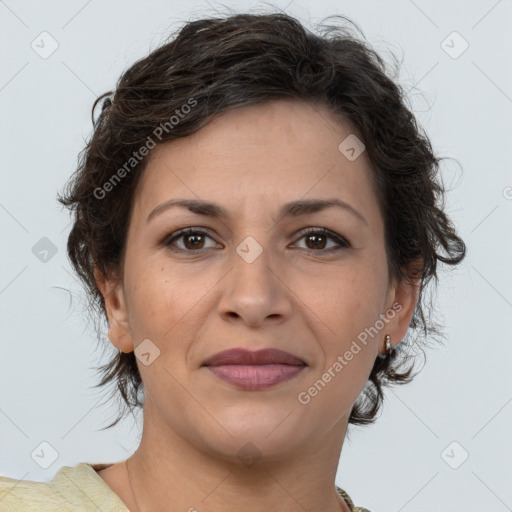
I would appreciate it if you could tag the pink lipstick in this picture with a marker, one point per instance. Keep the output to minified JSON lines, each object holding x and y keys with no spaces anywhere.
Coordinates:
{"x":255,"y":370}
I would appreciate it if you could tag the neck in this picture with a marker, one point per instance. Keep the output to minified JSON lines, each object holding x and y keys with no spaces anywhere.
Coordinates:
{"x":178,"y":476}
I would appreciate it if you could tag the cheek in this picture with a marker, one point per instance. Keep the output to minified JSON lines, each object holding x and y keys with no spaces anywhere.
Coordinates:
{"x":350,"y":306}
{"x":153,"y":301}
{"x":332,"y":392}
{"x":167,"y":306}
{"x":351,"y":300}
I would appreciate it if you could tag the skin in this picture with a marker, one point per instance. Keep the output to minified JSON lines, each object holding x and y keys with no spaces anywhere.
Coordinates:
{"x":191,"y":305}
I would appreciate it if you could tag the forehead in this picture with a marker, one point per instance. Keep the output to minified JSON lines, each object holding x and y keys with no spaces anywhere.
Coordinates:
{"x":258,"y":157}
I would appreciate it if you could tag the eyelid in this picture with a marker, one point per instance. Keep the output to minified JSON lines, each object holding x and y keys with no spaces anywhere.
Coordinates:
{"x":175,"y":235}
{"x":342,"y":241}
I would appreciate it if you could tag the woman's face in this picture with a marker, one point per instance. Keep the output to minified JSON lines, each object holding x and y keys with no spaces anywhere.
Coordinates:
{"x":254,"y":279}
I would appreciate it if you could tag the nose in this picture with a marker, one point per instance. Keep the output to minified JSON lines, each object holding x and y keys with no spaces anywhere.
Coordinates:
{"x":255,"y":288}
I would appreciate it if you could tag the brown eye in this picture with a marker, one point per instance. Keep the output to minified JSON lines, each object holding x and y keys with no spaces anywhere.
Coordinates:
{"x":196,"y":241}
{"x":193,"y":240}
{"x":317,"y":239}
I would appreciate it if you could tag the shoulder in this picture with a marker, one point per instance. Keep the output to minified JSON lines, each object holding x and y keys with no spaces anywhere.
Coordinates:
{"x":349,"y":501}
{"x":72,"y":488}
{"x":25,"y":495}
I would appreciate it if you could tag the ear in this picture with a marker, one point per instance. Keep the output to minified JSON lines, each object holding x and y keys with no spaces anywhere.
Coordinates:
{"x":400,"y":305}
{"x":119,"y":331}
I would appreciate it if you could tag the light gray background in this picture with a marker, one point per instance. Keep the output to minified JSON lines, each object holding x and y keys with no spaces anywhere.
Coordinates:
{"x":464,"y":393}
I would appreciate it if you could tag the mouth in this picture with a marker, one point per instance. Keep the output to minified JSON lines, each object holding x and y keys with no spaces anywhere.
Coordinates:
{"x":249,"y":370}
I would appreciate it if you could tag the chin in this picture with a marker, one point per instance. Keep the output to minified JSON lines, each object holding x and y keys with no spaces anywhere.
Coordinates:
{"x":256,"y":448}
{"x":254,"y":433}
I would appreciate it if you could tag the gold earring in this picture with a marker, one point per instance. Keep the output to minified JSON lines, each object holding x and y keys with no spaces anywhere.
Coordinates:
{"x":389,"y":347}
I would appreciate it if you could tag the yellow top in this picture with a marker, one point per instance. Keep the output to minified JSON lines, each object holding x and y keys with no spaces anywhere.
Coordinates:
{"x":73,"y":489}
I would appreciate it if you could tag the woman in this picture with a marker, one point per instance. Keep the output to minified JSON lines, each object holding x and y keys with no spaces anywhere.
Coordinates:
{"x":257,"y":215}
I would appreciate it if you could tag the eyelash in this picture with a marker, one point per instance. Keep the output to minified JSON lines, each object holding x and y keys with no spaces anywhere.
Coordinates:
{"x":342,"y":242}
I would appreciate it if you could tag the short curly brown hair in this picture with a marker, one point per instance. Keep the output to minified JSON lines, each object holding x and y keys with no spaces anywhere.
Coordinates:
{"x":245,"y":59}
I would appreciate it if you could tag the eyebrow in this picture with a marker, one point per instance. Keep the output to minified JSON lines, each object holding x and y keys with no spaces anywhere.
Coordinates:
{"x":292,"y":209}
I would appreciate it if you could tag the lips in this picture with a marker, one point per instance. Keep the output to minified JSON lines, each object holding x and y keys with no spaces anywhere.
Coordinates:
{"x":254,"y":370}
{"x":259,"y":357}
